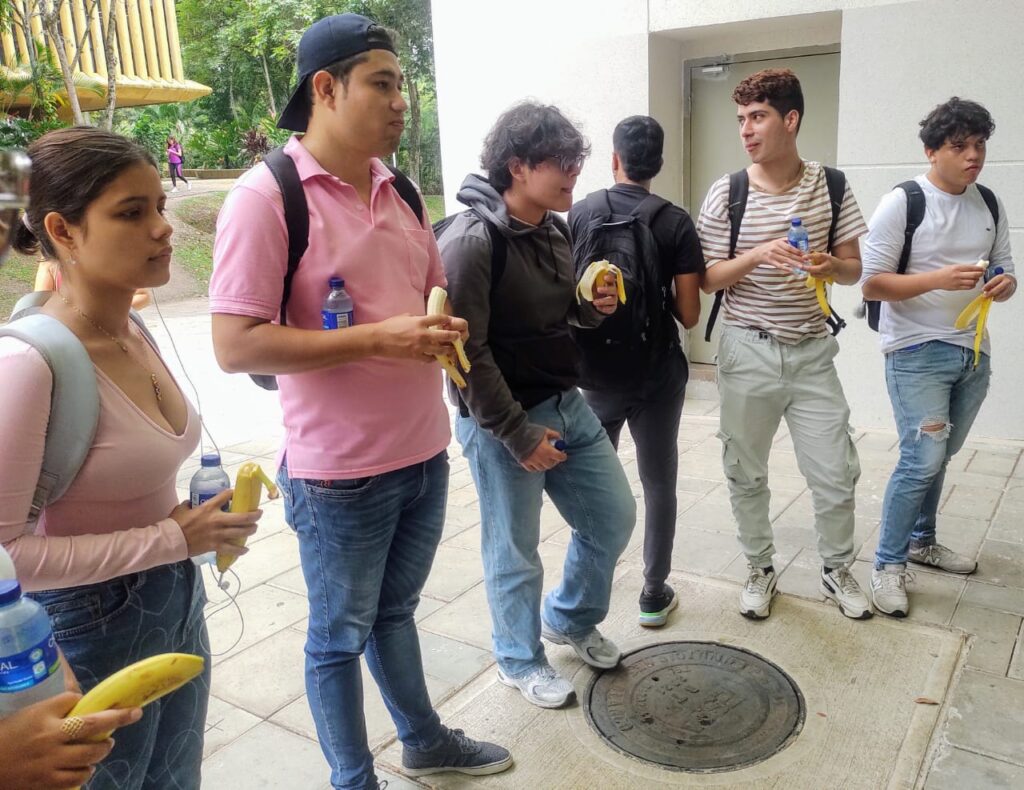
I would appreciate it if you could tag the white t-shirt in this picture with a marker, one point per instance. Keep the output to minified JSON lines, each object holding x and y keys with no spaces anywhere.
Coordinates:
{"x":955,"y":229}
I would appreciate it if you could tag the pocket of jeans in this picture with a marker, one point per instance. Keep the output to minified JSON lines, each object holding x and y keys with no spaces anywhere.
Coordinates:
{"x":340,"y":489}
{"x":77,"y":611}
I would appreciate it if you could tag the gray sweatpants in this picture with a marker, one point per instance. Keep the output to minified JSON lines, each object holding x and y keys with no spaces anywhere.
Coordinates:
{"x":760,"y":381}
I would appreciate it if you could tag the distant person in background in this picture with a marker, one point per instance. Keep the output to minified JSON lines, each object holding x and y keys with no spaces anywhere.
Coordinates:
{"x":48,"y":279}
{"x":175,"y":158}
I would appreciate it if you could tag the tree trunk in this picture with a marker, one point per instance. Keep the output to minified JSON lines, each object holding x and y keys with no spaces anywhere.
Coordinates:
{"x":37,"y":89}
{"x":231,"y":94}
{"x":415,"y":151}
{"x":270,"y":87}
{"x":110,"y":56}
{"x":51,"y":25}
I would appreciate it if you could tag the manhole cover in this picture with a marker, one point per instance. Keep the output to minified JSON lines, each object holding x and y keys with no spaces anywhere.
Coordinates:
{"x":696,"y":706}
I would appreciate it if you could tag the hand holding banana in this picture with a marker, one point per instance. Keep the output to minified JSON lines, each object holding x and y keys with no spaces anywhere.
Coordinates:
{"x":437,"y":304}
{"x":601,"y":295}
{"x":978,"y":308}
{"x":246,"y":498}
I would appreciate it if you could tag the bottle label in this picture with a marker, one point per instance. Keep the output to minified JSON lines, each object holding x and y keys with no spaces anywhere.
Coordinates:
{"x":30,"y":667}
{"x":332,"y":320}
{"x":195,"y":500}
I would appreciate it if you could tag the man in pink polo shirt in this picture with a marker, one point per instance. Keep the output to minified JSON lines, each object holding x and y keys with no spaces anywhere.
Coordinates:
{"x":364,"y":467}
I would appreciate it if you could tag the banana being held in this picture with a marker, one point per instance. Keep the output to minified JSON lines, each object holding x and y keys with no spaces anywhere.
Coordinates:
{"x":437,"y":304}
{"x":594,"y":274}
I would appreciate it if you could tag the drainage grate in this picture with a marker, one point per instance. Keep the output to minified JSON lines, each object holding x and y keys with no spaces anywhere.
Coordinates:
{"x":696,"y":706}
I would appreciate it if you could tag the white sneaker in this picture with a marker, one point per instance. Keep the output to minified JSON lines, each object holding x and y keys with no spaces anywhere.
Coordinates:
{"x":592,"y":647}
{"x":841,"y":587}
{"x":174,"y":189}
{"x":938,"y":556}
{"x":889,"y":590}
{"x":756,"y":597}
{"x":544,"y":687}
{"x":189,"y":185}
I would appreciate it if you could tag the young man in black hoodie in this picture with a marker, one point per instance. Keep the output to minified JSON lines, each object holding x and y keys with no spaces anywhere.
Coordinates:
{"x":523,"y":425}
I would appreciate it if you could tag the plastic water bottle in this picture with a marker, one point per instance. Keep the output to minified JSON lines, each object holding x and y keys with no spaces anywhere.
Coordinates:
{"x":798,"y":238}
{"x":337,"y":312}
{"x":559,"y":444}
{"x":209,"y":481}
{"x":30,"y":666}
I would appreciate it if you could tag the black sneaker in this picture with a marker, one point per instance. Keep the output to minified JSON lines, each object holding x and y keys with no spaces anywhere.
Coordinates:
{"x":456,"y":752}
{"x":654,"y":609}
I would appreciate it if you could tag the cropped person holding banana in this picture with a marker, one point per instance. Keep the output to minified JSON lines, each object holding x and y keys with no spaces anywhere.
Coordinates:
{"x":364,"y":468}
{"x":522,"y":423}
{"x":109,"y":560}
{"x":919,"y":261}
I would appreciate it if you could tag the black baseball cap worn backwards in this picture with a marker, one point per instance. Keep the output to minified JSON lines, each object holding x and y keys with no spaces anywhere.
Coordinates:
{"x":327,"y":41}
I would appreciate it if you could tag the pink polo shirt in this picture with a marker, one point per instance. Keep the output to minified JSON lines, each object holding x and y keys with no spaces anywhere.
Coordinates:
{"x":361,"y":418}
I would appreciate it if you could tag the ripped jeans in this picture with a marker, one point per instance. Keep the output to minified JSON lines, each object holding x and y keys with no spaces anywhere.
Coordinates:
{"x":936,"y":393}
{"x":760,"y":381}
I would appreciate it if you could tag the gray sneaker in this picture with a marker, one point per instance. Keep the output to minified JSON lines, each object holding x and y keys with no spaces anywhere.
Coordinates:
{"x":840,"y":586}
{"x":756,"y":596}
{"x":543,"y":686}
{"x":592,"y":647}
{"x":889,"y":590}
{"x":456,"y":752}
{"x":938,"y":556}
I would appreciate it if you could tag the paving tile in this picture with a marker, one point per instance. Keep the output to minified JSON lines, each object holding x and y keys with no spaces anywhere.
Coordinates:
{"x":987,"y":715}
{"x":236,"y":679}
{"x":463,"y":516}
{"x":971,"y":502}
{"x":977,"y":479}
{"x":427,"y":607}
{"x":224,"y":723}
{"x":694,"y":406}
{"x":703,"y":552}
{"x":990,"y":596}
{"x":988,"y":463}
{"x":956,"y":769}
{"x":1017,"y":662}
{"x":467,"y":619}
{"x":468,"y":539}
{"x":933,"y":596}
{"x":451,"y":661}
{"x":266,"y":611}
{"x":292,"y":580}
{"x":267,"y":757}
{"x":995,"y":635}
{"x":454,"y":571}
{"x":1001,"y":563}
{"x":267,"y":558}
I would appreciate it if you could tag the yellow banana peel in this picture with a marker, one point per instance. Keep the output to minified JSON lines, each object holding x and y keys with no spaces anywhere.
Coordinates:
{"x":595,"y":273}
{"x":978,"y":308}
{"x":437,"y":304}
{"x":246,"y":497}
{"x":818,"y":284}
{"x":139,"y":684}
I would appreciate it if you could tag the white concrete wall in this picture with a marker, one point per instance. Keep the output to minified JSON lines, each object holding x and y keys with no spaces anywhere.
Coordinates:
{"x":898,"y":62}
{"x":597,"y":61}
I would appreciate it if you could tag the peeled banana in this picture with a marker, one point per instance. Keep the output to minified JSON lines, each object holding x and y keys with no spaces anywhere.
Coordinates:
{"x":140,"y":684}
{"x":978,"y":307}
{"x":246,"y":497}
{"x":437,"y":304}
{"x":595,"y":273}
{"x":818,"y":284}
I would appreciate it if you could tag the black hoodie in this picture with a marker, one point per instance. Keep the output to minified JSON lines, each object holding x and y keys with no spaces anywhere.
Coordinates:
{"x":519,"y":345}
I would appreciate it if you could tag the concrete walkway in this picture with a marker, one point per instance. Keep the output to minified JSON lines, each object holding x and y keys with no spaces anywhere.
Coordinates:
{"x":260,"y":733}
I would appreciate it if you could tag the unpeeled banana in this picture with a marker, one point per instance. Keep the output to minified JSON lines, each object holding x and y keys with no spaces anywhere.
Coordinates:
{"x":437,"y":304}
{"x":139,"y":684}
{"x":595,"y":273}
{"x":246,"y":497}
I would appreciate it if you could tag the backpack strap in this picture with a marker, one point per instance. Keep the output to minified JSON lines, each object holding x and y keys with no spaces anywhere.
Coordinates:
{"x":739,"y":188}
{"x":835,"y":180}
{"x":915,"y":215}
{"x":407,"y":191}
{"x":990,"y":200}
{"x":296,"y":216}
{"x":74,"y":404}
{"x":649,"y":208}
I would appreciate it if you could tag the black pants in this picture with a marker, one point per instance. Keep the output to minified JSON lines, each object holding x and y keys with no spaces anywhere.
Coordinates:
{"x":176,"y":173}
{"x":652,"y":412}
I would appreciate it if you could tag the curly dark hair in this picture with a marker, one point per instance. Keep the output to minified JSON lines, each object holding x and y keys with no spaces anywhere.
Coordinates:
{"x":639,"y":141}
{"x":70,"y":169}
{"x":530,"y":132}
{"x":955,"y":121}
{"x":779,"y":87}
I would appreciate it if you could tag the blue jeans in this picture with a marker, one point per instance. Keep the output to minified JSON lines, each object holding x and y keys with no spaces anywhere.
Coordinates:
{"x":931,"y":384}
{"x":103,"y":628}
{"x":591,"y":492}
{"x":366,"y":547}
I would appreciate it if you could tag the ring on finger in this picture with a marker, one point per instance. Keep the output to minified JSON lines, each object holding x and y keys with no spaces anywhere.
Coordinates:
{"x":72,"y":727}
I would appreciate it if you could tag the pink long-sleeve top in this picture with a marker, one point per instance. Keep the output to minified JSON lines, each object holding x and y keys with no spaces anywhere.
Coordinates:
{"x":113,"y":519}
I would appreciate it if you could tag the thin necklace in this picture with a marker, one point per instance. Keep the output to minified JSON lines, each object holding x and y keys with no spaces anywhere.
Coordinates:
{"x":120,"y":344}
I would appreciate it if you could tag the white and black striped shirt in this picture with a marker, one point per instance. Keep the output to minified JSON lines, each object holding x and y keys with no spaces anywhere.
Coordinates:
{"x":769,"y":298}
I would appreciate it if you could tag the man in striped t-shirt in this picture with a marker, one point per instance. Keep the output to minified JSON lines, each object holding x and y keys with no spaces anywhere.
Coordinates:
{"x":775,"y":354}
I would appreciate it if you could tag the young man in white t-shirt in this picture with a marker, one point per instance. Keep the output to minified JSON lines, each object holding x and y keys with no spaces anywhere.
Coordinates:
{"x":775,"y":356}
{"x":936,"y":380}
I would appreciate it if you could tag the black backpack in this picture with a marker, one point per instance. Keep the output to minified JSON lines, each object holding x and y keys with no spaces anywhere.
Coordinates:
{"x":296,"y":220}
{"x":499,"y":244}
{"x":739,"y":188}
{"x":915,"y":215}
{"x":621,"y":348}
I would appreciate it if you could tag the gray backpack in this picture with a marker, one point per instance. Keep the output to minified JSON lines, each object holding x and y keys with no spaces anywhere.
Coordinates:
{"x":74,"y":399}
